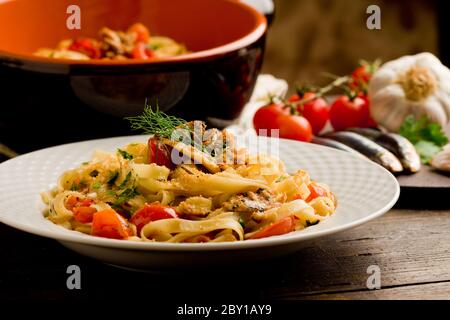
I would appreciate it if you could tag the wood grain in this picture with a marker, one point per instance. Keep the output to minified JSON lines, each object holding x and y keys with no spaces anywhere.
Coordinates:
{"x":410,"y":247}
{"x":433,"y":291}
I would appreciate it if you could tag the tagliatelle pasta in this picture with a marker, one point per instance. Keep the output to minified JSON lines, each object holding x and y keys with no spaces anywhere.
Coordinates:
{"x":140,"y":193}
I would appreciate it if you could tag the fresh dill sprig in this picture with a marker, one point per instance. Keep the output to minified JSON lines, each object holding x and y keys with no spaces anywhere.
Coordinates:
{"x":155,"y":122}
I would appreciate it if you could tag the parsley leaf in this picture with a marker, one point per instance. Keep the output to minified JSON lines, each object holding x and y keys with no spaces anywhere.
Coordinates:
{"x":126,"y":195}
{"x":125,"y":155}
{"x":427,"y":137}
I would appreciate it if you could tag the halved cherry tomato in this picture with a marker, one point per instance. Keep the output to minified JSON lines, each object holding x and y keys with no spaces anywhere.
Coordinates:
{"x":294,"y":127}
{"x":266,"y":117}
{"x":74,"y":201}
{"x":159,"y":153}
{"x":87,"y":46}
{"x":141,"y":31}
{"x":109,"y":224}
{"x":142,"y":51}
{"x":277,"y":228}
{"x":316,"y":191}
{"x":349,"y":112}
{"x":84,"y":214}
{"x":152,"y":212}
{"x":315,"y":111}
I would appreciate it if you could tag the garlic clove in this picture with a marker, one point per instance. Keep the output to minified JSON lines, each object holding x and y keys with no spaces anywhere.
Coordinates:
{"x":441,"y":161}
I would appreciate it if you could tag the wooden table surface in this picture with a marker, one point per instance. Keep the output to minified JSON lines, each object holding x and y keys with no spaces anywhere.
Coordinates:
{"x":412,"y":249}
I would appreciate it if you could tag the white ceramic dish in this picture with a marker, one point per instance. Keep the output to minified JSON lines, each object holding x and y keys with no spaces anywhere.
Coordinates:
{"x":364,"y":191}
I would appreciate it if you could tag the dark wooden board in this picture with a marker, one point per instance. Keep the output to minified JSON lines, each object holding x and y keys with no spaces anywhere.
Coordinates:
{"x":427,"y":177}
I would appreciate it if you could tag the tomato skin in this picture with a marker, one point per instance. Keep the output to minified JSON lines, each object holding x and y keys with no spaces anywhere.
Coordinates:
{"x":152,"y":212}
{"x":84,"y":214}
{"x":109,"y":224}
{"x":360,"y":76}
{"x":89,"y":47}
{"x":141,"y":51}
{"x":315,"y":111}
{"x":159,"y":153}
{"x":370,"y":123}
{"x":316,"y":191}
{"x":277,"y":228}
{"x":295,"y":128}
{"x":346,"y":113}
{"x":141,"y":31}
{"x":266,"y":117}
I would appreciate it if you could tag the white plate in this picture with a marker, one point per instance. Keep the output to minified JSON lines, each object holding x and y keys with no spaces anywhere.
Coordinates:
{"x":364,"y":191}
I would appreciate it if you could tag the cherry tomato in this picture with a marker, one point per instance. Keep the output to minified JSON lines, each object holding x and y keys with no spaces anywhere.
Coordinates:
{"x":141,"y":51}
{"x":370,"y":122}
{"x":84,"y":214}
{"x":346,"y":113}
{"x":361,"y":75}
{"x":266,"y":117}
{"x":294,"y":127}
{"x":316,"y":191}
{"x":109,"y":224}
{"x":159,"y":153}
{"x":315,"y":111}
{"x":152,"y":212}
{"x":89,"y":47}
{"x":277,"y":228}
{"x":141,"y":31}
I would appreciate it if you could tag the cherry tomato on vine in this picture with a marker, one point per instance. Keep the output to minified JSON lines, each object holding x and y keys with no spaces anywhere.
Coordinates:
{"x":315,"y":111}
{"x":294,"y":127}
{"x":348,"y":112}
{"x":266,"y":117}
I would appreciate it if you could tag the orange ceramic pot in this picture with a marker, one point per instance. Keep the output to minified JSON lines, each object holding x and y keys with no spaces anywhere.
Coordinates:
{"x":49,"y":101}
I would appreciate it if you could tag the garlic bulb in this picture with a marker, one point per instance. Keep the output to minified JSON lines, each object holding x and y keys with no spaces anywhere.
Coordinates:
{"x":441,"y":161}
{"x":417,"y":85}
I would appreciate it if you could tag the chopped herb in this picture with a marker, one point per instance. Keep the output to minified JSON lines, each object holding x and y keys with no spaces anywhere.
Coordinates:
{"x":124,"y":154}
{"x":85,"y":163}
{"x":427,"y":137}
{"x":126,"y":195}
{"x":242,"y":222}
{"x":78,"y":186}
{"x":111,"y":193}
{"x":113,"y":175}
{"x":94,"y":173}
{"x":96,"y":185}
{"x":280,"y":179}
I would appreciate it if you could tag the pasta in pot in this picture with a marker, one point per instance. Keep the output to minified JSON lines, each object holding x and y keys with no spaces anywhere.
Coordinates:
{"x":134,"y":43}
{"x":126,"y":195}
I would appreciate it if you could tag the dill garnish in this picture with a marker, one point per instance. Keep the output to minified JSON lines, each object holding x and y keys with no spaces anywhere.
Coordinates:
{"x":155,"y":122}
